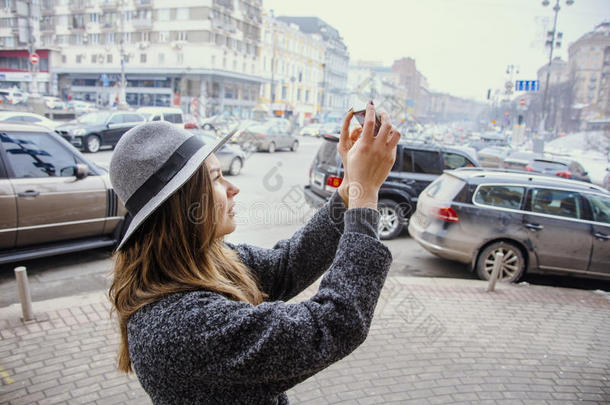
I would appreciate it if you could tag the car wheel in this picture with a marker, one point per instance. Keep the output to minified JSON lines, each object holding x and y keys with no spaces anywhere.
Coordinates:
{"x":295,"y":146}
{"x":513,"y":263}
{"x":271,"y":148}
{"x":391,"y":219}
{"x":235,"y":166}
{"x":92,"y":143}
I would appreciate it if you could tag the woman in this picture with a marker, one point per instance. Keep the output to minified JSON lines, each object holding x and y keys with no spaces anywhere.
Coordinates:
{"x":202,"y":321}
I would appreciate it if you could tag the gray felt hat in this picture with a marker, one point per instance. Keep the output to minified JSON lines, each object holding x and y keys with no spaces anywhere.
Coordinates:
{"x":150,"y":163}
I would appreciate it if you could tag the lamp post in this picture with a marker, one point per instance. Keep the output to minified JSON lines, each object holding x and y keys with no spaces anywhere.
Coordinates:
{"x":553,"y":40}
{"x":122,"y":87}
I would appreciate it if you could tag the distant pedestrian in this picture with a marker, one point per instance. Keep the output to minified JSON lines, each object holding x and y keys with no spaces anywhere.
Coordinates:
{"x":203,"y":321}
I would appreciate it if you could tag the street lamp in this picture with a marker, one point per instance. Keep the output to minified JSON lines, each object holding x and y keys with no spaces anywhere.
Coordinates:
{"x":554,"y":39}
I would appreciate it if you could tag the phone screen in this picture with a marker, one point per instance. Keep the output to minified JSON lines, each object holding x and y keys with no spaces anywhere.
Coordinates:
{"x":360,"y":118}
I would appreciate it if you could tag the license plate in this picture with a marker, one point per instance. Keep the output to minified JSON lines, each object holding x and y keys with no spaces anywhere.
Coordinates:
{"x":318,"y":179}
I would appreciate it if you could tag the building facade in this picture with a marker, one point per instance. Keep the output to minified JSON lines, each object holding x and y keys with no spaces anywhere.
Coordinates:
{"x":202,"y":55}
{"x":291,"y":65}
{"x":334,"y":96}
{"x":589,"y":62}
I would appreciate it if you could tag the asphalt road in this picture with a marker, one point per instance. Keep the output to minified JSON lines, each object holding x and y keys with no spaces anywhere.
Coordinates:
{"x":269,"y":207}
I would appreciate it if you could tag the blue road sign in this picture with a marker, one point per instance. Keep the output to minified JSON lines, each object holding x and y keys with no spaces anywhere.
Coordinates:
{"x":527,"y":85}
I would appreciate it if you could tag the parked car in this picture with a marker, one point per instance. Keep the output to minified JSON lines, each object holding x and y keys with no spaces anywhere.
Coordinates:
{"x":169,"y":114}
{"x":488,"y":139}
{"x":94,"y":130}
{"x":518,"y":160}
{"x":54,"y":200}
{"x":54,"y":103}
{"x":561,"y":167}
{"x":13,"y":96}
{"x":271,"y":135}
{"x":231,"y":157}
{"x":81,"y":107}
{"x":606,"y":184}
{"x":28,"y":118}
{"x":493,"y":156}
{"x":416,"y":166}
{"x":540,"y":224}
{"x":310,"y":130}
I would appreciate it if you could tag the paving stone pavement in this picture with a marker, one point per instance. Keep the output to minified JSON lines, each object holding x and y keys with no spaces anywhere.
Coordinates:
{"x":433,"y":341}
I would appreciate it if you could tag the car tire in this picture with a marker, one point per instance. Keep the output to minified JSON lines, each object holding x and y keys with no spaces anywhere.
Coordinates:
{"x":92,"y":143}
{"x":235,"y":166}
{"x":295,"y":146}
{"x":271,"y":148}
{"x":391,"y":220}
{"x":513,"y":262}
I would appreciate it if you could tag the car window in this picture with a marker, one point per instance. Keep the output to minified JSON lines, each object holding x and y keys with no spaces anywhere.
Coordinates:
{"x":455,"y":161}
{"x":407,"y":160}
{"x":131,"y":118}
{"x":14,"y":119}
{"x":156,"y":118}
{"x":173,"y":118}
{"x":556,"y":202}
{"x":116,"y":119}
{"x":36,"y":155}
{"x":426,"y":162}
{"x":445,"y":188}
{"x":601,"y":208}
{"x":500,"y":196}
{"x":29,"y":118}
{"x":327,"y":154}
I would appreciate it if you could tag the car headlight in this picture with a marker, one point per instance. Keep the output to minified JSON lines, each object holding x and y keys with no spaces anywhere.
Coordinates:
{"x":79,"y":131}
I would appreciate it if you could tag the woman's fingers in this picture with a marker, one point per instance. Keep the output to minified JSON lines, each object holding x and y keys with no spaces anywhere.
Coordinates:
{"x":356,"y":132}
{"x":386,"y":125}
{"x":345,"y":128}
{"x":369,"y":123}
{"x":393,"y":138}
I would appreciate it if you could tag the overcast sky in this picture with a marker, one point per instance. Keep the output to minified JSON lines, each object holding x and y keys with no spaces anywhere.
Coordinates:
{"x":462,"y":46}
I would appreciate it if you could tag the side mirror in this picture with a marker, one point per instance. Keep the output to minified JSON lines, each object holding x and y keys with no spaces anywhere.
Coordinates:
{"x":81,"y":171}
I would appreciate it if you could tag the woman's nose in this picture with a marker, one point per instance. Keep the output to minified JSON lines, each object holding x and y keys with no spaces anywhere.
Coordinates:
{"x":232,"y":190}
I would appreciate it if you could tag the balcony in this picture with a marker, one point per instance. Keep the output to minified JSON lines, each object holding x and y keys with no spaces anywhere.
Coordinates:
{"x":78,"y":5}
{"x":109,"y":25}
{"x":109,"y":4}
{"x":142,"y":24}
{"x":143,"y":3}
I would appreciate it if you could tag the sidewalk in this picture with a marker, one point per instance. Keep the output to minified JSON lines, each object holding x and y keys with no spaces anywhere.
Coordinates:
{"x":433,"y":341}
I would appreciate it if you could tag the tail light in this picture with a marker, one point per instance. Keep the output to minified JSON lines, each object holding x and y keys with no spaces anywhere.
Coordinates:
{"x":190,"y":125}
{"x":333,"y":182}
{"x":447,"y":214}
{"x":529,"y":168}
{"x":566,"y":174}
{"x":260,"y":135}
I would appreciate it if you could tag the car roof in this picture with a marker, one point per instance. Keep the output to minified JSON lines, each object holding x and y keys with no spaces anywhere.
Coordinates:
{"x":159,"y":109}
{"x":10,"y":126}
{"x":485,"y":175}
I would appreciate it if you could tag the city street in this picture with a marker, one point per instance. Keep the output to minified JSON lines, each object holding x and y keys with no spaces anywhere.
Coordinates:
{"x":270,"y":206}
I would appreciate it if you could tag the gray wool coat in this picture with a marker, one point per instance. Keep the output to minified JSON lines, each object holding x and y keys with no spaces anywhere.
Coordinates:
{"x":203,"y":348}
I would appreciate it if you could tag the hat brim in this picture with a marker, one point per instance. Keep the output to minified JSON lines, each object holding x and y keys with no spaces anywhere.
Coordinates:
{"x":173,"y":185}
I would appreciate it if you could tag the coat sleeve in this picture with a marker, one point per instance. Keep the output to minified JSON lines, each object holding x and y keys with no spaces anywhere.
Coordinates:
{"x":294,"y":264}
{"x":274,"y":346}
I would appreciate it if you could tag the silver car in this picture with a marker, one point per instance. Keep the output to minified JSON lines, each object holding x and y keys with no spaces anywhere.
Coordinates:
{"x":269,"y":136}
{"x":231,"y":157}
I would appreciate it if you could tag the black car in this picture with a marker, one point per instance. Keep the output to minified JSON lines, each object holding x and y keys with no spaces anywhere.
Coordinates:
{"x":92,"y":131}
{"x":416,"y":166}
{"x":539,"y":223}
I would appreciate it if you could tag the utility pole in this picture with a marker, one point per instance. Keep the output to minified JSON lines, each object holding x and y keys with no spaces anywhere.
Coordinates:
{"x":32,"y":40}
{"x":122,"y":99}
{"x":273,"y":40}
{"x":554,"y":39}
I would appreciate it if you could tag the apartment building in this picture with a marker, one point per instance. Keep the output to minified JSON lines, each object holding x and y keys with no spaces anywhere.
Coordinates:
{"x":199,"y":54}
{"x":334,"y":97}
{"x":589,"y":60}
{"x":560,"y":72}
{"x":291,"y":64}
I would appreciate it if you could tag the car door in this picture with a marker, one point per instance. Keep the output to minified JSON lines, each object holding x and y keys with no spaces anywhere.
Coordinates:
{"x":114,"y":129}
{"x":52,"y":204}
{"x":600,"y":255}
{"x":8,"y":210}
{"x":558,"y":233}
{"x":424,"y":166}
{"x":130,"y":120}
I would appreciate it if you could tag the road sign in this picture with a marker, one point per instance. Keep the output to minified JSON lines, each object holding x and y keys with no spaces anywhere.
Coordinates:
{"x":522,"y":101}
{"x":34,"y":58}
{"x":527,"y":85}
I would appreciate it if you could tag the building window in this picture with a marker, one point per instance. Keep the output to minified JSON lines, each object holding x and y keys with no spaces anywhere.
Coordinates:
{"x":142,"y":58}
{"x":94,"y":58}
{"x":180,"y":57}
{"x":181,"y":35}
{"x":299,"y":95}
{"x":213,"y":60}
{"x":94,"y":39}
{"x":109,"y":58}
{"x":146,"y":36}
{"x":182,"y":13}
{"x":163,"y":36}
{"x":163,"y":14}
{"x":307,"y":96}
{"x":161,"y":58}
{"x":284,"y":92}
{"x":79,"y":58}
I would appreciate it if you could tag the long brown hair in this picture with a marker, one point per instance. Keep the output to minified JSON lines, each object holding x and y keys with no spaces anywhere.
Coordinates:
{"x":175,"y":250}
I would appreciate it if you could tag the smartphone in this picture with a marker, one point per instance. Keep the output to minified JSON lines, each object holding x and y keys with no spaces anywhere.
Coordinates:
{"x":360,"y":117}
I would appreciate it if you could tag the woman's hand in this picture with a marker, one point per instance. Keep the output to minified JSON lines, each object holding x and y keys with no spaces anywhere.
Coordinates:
{"x":369,"y":159}
{"x":346,"y":141}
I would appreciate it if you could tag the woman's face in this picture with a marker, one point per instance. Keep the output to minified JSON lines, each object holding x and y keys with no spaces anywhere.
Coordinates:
{"x":224,"y":191}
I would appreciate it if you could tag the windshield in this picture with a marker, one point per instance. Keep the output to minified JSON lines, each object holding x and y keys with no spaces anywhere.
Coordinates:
{"x":96,"y":118}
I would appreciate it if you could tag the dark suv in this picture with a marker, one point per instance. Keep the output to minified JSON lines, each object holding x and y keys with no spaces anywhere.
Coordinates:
{"x":539,"y":223}
{"x":416,"y":166}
